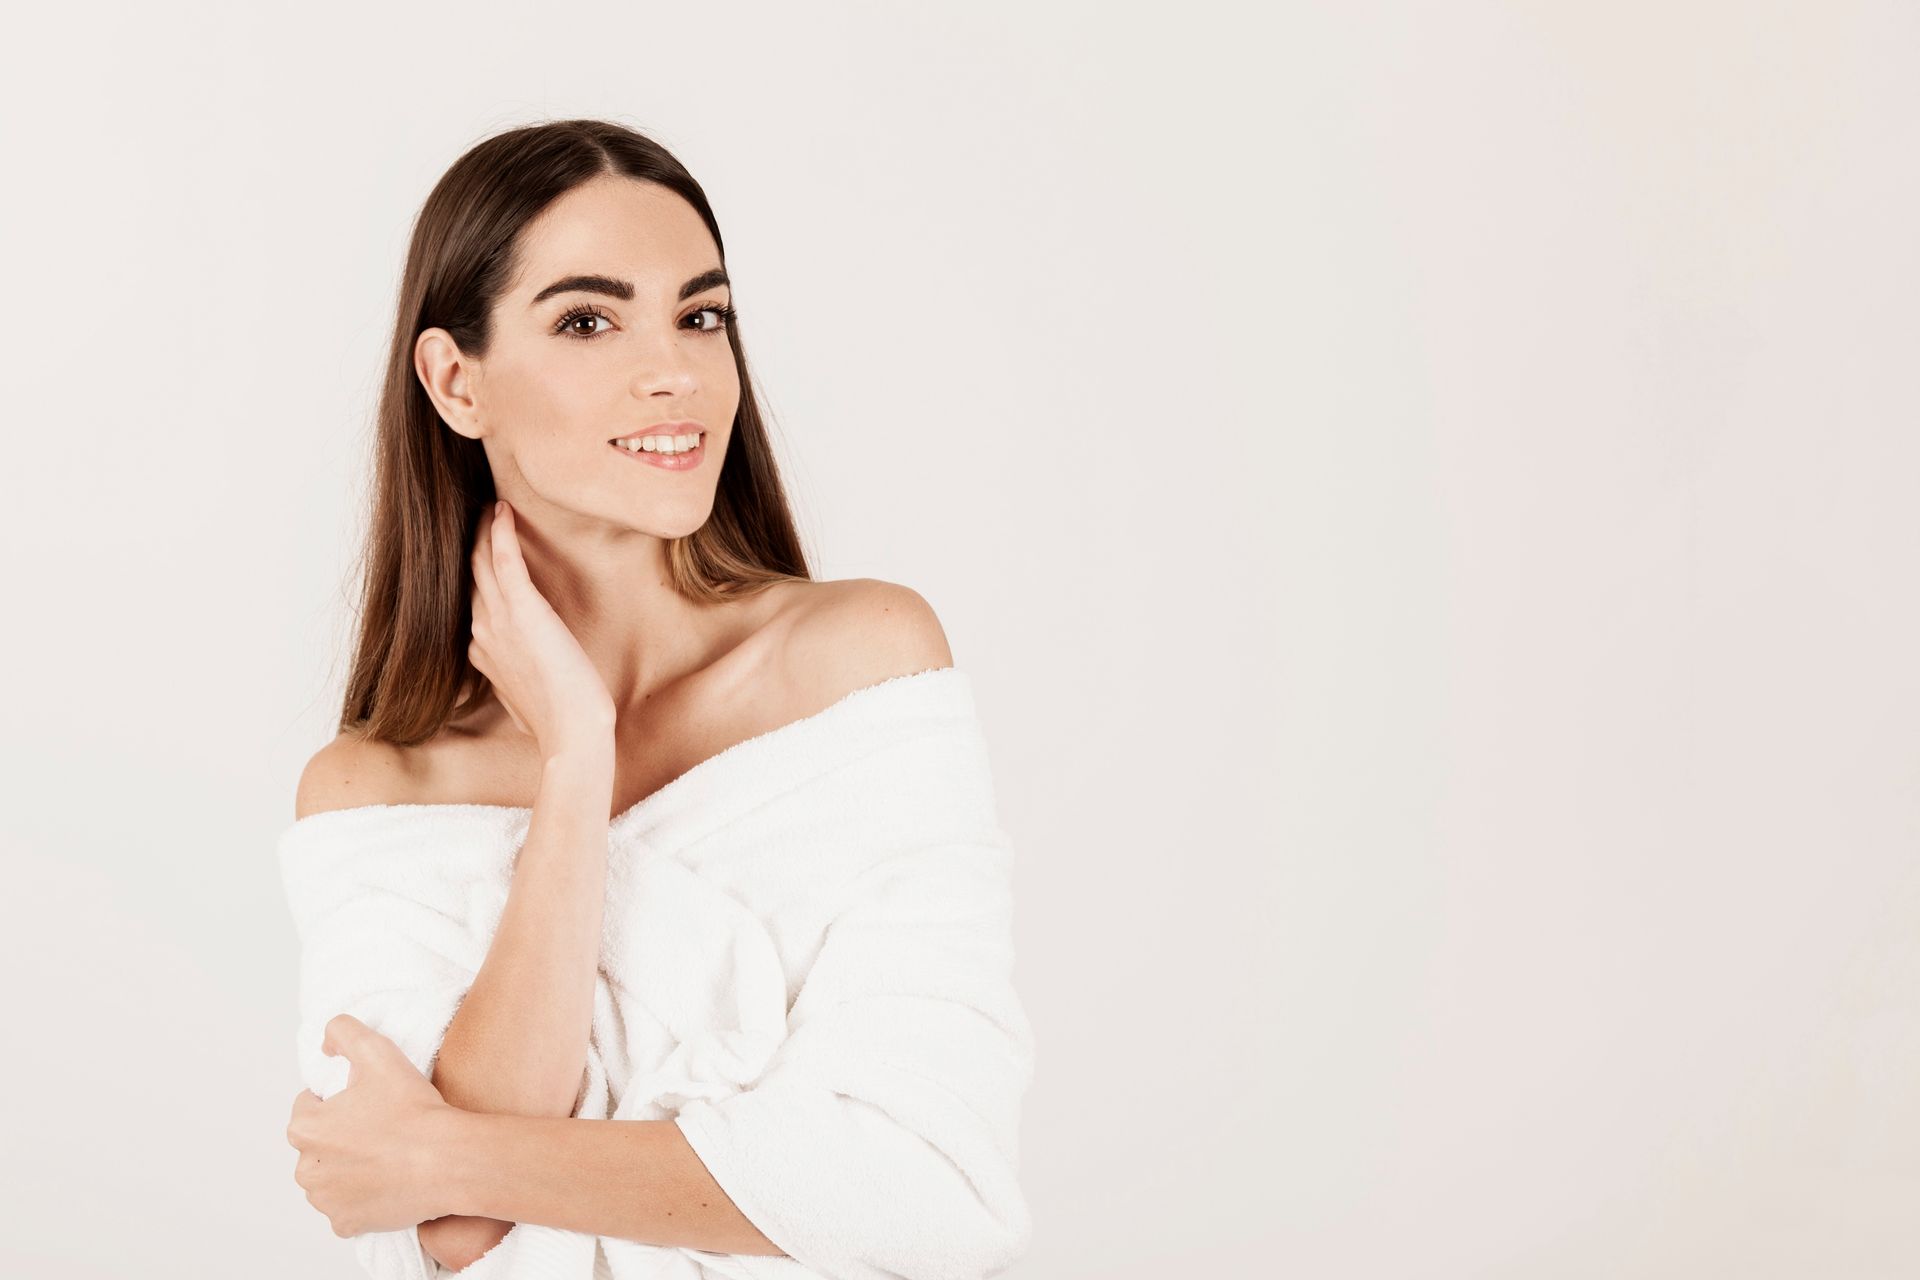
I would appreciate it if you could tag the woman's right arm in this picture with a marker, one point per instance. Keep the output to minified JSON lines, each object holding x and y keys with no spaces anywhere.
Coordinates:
{"x":517,"y":1046}
{"x":518,"y":1043}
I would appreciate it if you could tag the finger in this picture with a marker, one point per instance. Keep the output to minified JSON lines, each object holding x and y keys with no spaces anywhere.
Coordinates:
{"x":477,"y":656}
{"x":510,"y":568}
{"x":343,"y":1032}
{"x":358,"y":1043}
{"x":303,"y":1104}
{"x":487,"y":602}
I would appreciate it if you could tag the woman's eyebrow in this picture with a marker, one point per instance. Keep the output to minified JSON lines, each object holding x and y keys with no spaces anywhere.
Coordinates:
{"x":621,"y":289}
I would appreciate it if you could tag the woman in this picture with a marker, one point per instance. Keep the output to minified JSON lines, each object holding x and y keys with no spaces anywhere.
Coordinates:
{"x":653,"y":913}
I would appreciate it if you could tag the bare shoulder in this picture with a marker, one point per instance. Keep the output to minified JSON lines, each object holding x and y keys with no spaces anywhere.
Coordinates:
{"x":348,"y":772}
{"x":857,"y":632}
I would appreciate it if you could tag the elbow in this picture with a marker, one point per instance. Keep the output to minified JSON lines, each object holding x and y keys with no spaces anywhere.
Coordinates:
{"x":457,"y":1242}
{"x":439,"y":1241}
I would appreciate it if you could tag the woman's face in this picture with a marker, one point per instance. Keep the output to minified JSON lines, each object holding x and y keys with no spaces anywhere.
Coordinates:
{"x":615,"y":325}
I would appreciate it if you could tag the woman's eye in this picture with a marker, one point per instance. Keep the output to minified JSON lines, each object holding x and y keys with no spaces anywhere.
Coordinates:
{"x":571,"y":324}
{"x":722,"y":318}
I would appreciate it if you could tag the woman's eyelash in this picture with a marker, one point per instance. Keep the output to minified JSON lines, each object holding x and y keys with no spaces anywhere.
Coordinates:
{"x":578,"y":313}
{"x":726,"y":314}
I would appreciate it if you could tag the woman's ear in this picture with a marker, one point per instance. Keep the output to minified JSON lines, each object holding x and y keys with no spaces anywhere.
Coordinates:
{"x":448,"y":377}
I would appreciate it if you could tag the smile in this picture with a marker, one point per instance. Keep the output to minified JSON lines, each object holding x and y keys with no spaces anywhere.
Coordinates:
{"x":672,"y":457}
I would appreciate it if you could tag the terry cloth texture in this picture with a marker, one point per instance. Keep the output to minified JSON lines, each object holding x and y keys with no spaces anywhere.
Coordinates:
{"x":806,"y":963}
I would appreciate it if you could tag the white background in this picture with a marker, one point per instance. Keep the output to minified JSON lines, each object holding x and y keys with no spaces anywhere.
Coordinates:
{"x":1425,"y":493}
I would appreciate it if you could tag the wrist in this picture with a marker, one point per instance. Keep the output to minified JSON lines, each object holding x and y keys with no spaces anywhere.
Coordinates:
{"x":590,"y":734}
{"x":456,"y":1146}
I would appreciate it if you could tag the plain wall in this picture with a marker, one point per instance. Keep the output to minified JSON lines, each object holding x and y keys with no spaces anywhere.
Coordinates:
{"x":1425,"y":494}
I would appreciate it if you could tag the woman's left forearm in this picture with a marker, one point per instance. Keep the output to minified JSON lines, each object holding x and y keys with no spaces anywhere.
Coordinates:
{"x":628,"y":1179}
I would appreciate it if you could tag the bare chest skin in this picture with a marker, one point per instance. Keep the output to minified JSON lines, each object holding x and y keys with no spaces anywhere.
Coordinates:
{"x":748,"y":689}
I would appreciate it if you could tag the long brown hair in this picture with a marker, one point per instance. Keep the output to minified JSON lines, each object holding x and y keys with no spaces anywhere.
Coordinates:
{"x":430,"y":484}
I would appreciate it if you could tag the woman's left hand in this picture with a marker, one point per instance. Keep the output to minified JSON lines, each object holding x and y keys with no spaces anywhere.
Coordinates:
{"x":366,"y":1153}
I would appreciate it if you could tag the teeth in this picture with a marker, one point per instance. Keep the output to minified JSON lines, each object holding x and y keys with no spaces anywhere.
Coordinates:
{"x":661,"y":444}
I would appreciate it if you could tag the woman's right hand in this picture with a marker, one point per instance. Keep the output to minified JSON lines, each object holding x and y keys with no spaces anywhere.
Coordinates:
{"x":537,"y":668}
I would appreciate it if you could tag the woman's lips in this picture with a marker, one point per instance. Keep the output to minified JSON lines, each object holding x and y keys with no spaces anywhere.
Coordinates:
{"x":667,"y":461}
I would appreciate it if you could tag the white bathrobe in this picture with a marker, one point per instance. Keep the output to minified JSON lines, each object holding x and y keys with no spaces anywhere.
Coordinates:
{"x":806,"y":963}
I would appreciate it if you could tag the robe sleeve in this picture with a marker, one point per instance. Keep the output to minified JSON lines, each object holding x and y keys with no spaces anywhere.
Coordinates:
{"x":881,"y":1141}
{"x":407,"y":993}
{"x":387,"y":943}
